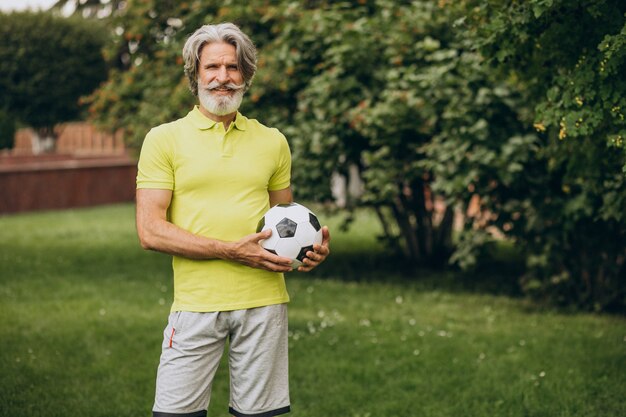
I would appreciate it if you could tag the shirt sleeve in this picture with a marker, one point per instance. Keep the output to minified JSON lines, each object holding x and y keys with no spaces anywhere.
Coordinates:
{"x":155,"y":168}
{"x":282,"y":176}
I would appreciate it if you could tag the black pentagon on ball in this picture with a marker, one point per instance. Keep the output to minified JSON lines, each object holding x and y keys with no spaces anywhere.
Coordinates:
{"x":260,"y":225}
{"x":303,"y":252}
{"x":314,"y":222}
{"x":271,"y":250}
{"x":286,"y":228}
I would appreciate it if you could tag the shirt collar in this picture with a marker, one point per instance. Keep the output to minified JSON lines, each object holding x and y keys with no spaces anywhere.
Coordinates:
{"x":202,"y":122}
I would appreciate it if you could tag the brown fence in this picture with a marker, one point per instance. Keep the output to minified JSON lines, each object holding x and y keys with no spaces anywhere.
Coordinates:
{"x":76,"y":138}
{"x":88,"y":168}
{"x":46,"y":185}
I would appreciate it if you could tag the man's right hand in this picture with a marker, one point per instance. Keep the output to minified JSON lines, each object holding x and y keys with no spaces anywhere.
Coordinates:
{"x":248,"y":251}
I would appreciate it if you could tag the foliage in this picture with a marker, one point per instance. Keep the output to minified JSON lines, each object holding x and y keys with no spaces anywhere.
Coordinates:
{"x":565,"y":203}
{"x":392,"y":79}
{"x":46,"y":64}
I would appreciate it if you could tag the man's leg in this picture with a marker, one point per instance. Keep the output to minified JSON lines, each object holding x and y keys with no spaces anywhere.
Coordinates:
{"x":193,"y":344}
{"x":258,"y":360}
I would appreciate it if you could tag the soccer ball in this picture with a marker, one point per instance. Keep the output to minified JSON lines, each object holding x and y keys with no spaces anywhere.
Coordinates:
{"x":295,"y":229}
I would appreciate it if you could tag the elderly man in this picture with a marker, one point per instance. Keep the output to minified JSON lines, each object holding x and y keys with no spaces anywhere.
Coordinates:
{"x":203,"y":183}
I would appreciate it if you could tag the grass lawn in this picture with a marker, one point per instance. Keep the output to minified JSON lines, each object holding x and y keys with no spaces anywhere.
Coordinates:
{"x":82,"y":309}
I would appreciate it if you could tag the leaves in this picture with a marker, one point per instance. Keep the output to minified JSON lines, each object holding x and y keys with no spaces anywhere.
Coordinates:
{"x":567,"y":56}
{"x":46,"y":64}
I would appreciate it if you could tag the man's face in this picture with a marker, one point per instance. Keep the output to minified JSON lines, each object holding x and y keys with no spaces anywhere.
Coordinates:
{"x":220,"y":82}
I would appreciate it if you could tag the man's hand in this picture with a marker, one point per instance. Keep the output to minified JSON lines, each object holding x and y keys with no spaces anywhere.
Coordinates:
{"x":249,"y":252}
{"x":319,"y":253}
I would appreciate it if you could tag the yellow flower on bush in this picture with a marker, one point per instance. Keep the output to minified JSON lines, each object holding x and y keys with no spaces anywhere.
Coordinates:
{"x":563,"y":131}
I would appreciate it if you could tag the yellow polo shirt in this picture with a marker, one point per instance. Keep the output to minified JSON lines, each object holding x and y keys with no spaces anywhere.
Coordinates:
{"x":219,"y":181}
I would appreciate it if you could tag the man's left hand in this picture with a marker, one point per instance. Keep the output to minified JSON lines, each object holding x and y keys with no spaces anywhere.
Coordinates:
{"x":318,"y":254}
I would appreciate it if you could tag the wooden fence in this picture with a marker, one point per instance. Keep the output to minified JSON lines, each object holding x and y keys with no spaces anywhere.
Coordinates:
{"x":66,"y":183}
{"x":75,"y":138}
{"x":88,"y":168}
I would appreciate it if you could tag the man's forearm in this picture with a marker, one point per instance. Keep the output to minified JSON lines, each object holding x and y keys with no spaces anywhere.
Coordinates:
{"x":163,"y":236}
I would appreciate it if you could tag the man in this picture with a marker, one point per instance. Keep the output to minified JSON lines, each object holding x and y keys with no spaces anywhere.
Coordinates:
{"x":204,"y":181}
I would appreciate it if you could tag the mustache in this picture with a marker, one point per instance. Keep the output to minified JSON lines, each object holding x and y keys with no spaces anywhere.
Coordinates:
{"x":214,"y":85}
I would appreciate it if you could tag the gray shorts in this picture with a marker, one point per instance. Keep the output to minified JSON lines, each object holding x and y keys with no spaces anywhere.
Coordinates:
{"x":193,"y":344}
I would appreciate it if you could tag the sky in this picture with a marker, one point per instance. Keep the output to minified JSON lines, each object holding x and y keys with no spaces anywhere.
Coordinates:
{"x":15,"y":5}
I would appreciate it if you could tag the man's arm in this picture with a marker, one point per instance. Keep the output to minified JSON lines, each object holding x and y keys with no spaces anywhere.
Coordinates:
{"x":158,"y":234}
{"x":281,"y":196}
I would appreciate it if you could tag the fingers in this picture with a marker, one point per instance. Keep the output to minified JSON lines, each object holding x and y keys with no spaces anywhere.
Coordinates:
{"x":256,"y":237}
{"x":249,"y":252}
{"x":272,"y":262}
{"x":276,"y":267}
{"x":318,"y":254}
{"x":272,"y":259}
{"x":325,"y":236}
{"x":280,"y":261}
{"x":311,"y":262}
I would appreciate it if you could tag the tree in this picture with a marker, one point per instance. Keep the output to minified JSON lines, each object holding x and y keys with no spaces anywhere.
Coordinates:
{"x":46,"y":64}
{"x":566,"y":205}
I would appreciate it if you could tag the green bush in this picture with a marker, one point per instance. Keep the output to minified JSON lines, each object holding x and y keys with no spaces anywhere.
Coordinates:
{"x":46,"y":64}
{"x":566,"y":205}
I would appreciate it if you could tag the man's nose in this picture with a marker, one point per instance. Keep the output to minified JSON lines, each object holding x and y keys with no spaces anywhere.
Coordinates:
{"x":222,"y":74}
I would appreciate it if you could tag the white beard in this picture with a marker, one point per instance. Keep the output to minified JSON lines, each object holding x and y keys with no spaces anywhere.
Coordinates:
{"x":220,"y":105}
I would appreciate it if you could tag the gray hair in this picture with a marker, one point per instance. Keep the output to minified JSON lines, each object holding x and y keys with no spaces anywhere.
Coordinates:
{"x":223,"y":32}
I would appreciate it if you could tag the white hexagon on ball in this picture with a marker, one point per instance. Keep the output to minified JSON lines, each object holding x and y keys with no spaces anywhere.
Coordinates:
{"x":289,"y":248}
{"x":295,"y":229}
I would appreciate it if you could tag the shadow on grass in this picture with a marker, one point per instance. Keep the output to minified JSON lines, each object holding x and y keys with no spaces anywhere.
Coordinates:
{"x":497,"y":274}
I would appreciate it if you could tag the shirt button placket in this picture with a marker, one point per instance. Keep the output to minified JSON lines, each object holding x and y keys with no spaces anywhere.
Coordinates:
{"x":226,"y":145}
